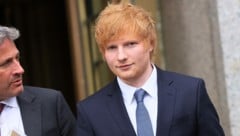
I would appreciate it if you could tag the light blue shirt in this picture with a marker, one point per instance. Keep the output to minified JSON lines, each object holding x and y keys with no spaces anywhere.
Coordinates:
{"x":150,"y":100}
{"x":11,"y":119}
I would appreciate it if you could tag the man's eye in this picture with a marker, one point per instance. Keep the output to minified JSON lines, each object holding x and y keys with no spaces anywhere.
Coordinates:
{"x":111,"y":47}
{"x":6,"y":63}
{"x":131,"y":44}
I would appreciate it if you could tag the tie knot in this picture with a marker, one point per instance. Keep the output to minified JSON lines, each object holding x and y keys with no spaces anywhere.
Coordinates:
{"x":1,"y":107}
{"x":139,"y":95}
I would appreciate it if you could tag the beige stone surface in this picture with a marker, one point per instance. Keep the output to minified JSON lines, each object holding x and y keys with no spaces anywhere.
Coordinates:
{"x":229,"y":22}
{"x":192,"y":46}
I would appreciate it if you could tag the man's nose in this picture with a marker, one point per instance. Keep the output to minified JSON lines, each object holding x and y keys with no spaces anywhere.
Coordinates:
{"x":121,"y":54}
{"x":18,"y":68}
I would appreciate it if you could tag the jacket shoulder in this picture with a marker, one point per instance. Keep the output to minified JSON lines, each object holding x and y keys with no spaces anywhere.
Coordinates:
{"x":40,"y":91}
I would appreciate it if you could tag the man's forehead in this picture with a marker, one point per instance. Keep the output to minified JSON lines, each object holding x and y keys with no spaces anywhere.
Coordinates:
{"x":8,"y":46}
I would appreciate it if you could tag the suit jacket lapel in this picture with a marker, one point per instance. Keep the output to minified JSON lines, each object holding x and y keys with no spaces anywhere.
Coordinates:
{"x":118,"y":110}
{"x":166,"y":101}
{"x":31,"y":113}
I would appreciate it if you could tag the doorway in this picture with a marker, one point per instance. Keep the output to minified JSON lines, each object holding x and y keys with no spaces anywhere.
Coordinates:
{"x":43,"y":44}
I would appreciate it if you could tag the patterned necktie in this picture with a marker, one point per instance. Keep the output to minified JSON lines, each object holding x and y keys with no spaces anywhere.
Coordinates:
{"x":1,"y":107}
{"x":144,"y":126}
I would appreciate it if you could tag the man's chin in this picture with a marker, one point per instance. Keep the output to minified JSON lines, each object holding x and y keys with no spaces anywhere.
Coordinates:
{"x":18,"y":90}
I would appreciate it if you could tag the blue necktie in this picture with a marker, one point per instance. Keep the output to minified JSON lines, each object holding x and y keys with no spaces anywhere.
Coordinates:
{"x":144,"y":126}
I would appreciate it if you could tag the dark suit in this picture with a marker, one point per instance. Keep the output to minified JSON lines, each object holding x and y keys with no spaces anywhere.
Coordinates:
{"x":184,"y":109}
{"x":45,"y":113}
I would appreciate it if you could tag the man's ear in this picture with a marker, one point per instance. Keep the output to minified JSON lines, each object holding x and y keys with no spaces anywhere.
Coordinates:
{"x":152,"y":46}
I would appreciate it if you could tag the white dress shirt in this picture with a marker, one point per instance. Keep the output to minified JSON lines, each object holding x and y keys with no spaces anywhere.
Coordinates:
{"x":150,"y":100}
{"x":11,"y":119}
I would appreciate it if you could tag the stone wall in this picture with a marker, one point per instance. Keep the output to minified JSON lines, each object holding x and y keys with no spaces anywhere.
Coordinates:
{"x":229,"y":22}
{"x":192,"y":45}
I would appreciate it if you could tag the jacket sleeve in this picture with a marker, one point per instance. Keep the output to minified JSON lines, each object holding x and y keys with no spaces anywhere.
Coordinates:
{"x":83,"y":125}
{"x":66,"y":119}
{"x":208,"y":120}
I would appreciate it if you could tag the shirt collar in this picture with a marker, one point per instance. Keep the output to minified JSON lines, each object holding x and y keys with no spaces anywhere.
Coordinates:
{"x":150,"y":86}
{"x":11,"y":102}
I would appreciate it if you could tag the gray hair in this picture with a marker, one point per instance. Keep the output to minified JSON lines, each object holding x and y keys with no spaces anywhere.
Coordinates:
{"x":8,"y":32}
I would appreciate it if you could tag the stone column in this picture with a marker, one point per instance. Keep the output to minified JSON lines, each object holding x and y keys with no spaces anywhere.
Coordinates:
{"x":192,"y":45}
{"x":229,"y":22}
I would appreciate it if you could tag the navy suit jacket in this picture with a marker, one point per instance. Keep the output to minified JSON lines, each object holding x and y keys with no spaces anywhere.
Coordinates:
{"x":184,"y":109}
{"x":45,"y":113}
